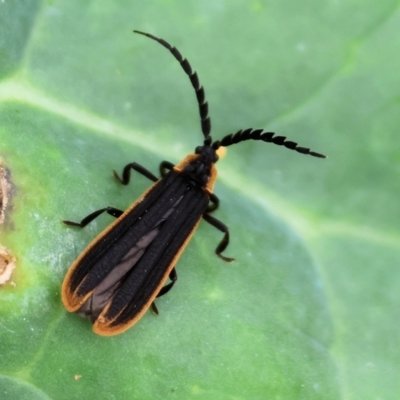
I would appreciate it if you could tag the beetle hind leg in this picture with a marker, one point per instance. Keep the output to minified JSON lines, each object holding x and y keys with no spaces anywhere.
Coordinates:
{"x":173,"y":276}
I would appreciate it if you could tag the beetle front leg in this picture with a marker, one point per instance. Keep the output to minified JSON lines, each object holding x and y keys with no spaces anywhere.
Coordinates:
{"x":213,"y":205}
{"x":223,"y":244}
{"x":165,"y":167}
{"x":126,"y":173}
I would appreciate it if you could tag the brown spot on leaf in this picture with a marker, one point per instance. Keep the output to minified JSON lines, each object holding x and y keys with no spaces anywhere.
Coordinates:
{"x":7,"y":265}
{"x":5,"y":189}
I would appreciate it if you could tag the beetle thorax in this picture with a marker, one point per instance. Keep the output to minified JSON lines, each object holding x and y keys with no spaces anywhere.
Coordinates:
{"x":199,"y":169}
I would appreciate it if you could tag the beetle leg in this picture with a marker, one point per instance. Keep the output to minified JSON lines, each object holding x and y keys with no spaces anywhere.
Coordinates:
{"x":225,"y":240}
{"x":109,"y":210}
{"x":126,"y":173}
{"x":165,"y":166}
{"x":154,"y":308}
{"x":174,"y":277}
{"x":165,"y":289}
{"x":214,"y":203}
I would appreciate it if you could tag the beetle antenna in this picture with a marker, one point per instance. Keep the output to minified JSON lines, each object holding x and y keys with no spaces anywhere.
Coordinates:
{"x":258,"y":134}
{"x":194,"y":79}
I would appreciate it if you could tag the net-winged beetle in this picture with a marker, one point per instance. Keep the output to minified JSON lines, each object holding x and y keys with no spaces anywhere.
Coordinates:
{"x":118,"y":276}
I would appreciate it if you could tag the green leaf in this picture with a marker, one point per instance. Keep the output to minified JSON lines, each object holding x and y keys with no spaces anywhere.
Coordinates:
{"x":309,"y":309}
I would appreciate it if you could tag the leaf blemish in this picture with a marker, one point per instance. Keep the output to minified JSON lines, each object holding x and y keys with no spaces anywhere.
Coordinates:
{"x":7,"y":259}
{"x":7,"y":265}
{"x":5,"y":187}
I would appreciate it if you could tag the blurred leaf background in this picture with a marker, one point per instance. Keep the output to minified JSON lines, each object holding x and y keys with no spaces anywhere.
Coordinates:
{"x":310,"y":308}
